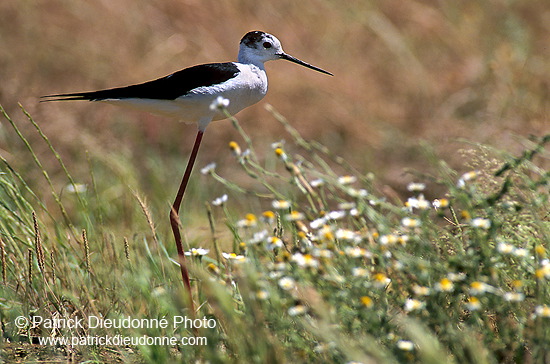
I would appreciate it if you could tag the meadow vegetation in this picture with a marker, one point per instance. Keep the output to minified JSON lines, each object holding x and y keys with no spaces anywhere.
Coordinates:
{"x":400,"y":214}
{"x":321,"y":268}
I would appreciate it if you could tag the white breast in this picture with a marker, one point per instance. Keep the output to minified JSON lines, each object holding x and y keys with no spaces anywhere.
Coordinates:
{"x":249,"y":87}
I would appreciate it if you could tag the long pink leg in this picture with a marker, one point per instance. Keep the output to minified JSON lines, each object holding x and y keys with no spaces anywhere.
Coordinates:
{"x":174,"y":217}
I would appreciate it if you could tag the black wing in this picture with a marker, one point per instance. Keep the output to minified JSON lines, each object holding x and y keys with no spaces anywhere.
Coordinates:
{"x":165,"y":88}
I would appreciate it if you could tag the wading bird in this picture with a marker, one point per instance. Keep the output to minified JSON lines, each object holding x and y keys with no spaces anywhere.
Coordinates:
{"x":199,"y":94}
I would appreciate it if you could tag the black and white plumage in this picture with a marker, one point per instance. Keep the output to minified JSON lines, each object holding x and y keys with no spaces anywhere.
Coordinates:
{"x":188,"y":94}
{"x":165,"y":88}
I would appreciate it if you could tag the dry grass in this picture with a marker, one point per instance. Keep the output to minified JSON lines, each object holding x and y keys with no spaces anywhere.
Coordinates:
{"x":405,"y":71}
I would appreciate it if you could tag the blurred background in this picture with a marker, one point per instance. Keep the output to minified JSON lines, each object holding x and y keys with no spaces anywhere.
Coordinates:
{"x":407,"y":73}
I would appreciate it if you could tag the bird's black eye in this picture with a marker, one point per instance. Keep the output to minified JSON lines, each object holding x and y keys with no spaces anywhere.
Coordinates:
{"x":267,"y":45}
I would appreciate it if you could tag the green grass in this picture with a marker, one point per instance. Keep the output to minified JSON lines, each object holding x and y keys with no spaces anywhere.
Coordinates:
{"x":325,"y":267}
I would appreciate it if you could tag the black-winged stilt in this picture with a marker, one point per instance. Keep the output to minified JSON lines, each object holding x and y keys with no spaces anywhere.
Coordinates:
{"x":197,"y":94}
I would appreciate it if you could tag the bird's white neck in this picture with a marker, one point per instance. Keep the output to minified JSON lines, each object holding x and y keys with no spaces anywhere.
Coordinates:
{"x":247,"y":56}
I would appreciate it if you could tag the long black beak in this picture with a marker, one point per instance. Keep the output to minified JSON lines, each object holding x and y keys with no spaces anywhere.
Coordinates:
{"x":302,"y":63}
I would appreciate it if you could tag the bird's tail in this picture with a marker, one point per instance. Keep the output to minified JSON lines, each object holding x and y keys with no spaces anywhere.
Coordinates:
{"x":114,"y":93}
{"x":60,"y":97}
{"x":88,"y":96}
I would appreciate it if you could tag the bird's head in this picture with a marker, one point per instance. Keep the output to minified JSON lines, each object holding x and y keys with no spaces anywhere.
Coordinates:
{"x":258,"y":47}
